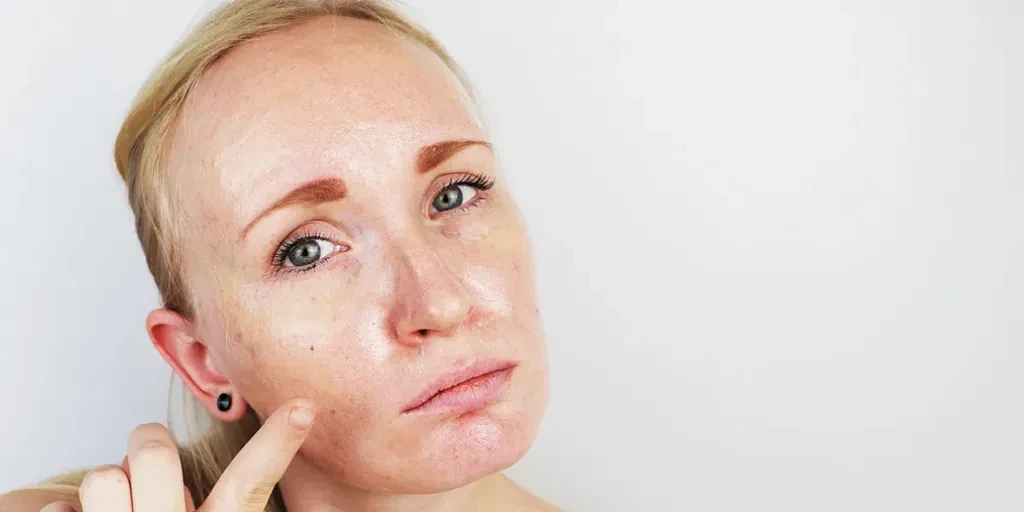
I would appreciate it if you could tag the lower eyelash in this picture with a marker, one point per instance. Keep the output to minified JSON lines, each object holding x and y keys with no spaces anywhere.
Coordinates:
{"x":462,"y":210}
{"x":282,"y":251}
{"x":280,"y":268}
{"x":307,"y":268}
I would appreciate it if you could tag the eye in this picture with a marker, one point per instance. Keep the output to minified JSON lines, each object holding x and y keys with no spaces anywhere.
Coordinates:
{"x":305,"y":251}
{"x":460,"y":190}
{"x":453,"y":196}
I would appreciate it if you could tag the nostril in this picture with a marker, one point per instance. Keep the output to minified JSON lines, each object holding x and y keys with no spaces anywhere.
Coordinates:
{"x":422,"y":332}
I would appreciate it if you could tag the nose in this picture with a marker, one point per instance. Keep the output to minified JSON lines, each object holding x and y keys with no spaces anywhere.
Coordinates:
{"x":430,"y":302}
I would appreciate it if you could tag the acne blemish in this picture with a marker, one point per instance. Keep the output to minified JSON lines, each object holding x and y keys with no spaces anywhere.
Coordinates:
{"x":333,"y":412}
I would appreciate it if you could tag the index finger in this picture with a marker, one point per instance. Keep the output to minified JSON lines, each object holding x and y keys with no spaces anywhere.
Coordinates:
{"x":247,"y":483}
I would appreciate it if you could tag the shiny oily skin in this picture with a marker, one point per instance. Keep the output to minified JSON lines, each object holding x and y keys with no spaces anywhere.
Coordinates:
{"x":408,"y":294}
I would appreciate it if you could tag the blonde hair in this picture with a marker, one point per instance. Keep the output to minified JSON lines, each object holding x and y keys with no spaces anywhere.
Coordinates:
{"x":140,"y":154}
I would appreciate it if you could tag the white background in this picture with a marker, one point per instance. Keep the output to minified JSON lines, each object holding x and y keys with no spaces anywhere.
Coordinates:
{"x":780,"y":243}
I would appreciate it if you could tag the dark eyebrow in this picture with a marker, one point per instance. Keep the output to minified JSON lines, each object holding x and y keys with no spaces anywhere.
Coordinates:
{"x":318,"y":191}
{"x":429,"y":157}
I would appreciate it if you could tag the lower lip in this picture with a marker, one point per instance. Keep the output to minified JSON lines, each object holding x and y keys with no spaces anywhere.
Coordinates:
{"x":468,"y":396}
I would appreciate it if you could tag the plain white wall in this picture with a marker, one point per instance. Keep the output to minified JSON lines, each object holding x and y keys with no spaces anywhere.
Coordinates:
{"x":779,"y":243}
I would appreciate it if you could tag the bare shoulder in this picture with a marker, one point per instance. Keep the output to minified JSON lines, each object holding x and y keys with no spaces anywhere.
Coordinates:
{"x":28,"y":500}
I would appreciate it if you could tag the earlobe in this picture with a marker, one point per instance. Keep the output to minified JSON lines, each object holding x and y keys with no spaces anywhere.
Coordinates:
{"x":227,"y":406}
{"x":175,"y":339}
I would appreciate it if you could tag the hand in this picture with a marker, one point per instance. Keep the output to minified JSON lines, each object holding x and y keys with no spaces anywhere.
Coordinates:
{"x":151,"y":481}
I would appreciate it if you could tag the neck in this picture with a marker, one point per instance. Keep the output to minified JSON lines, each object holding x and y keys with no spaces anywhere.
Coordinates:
{"x":306,"y":489}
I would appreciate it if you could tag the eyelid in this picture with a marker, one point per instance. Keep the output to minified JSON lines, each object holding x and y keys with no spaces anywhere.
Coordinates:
{"x":324,"y":253}
{"x":310,"y":231}
{"x":481,"y":182}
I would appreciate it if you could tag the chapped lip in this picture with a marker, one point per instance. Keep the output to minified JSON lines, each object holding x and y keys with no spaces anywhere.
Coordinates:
{"x":457,"y":377}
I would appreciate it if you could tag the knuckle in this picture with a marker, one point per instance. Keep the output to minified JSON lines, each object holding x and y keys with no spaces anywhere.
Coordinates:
{"x":255,"y":496}
{"x":104,"y":477}
{"x":155,"y":451}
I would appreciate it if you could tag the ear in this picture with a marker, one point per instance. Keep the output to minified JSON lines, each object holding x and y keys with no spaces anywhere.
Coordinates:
{"x":175,"y":339}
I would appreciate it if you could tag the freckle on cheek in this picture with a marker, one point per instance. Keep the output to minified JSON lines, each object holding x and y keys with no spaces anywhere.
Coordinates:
{"x":449,"y":231}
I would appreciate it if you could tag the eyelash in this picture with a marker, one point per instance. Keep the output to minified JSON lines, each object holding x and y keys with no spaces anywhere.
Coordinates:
{"x":291,"y":242}
{"x":467,"y":178}
{"x":476,"y":181}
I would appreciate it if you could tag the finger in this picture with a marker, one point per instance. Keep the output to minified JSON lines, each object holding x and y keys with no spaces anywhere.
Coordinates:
{"x":58,"y":506}
{"x":124,"y":466}
{"x":105,"y":489}
{"x":156,"y":470}
{"x":190,"y":504}
{"x":249,"y":480}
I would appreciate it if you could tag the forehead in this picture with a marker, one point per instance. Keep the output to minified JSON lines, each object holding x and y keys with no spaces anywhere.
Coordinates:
{"x":331,"y":95}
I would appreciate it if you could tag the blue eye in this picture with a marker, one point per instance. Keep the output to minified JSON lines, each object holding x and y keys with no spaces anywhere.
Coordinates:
{"x":308,"y":251}
{"x":453,"y":197}
{"x":461,"y":190}
{"x":305,"y":251}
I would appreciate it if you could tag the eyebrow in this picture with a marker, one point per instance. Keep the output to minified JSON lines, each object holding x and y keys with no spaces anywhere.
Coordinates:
{"x":429,"y":157}
{"x":325,"y":190}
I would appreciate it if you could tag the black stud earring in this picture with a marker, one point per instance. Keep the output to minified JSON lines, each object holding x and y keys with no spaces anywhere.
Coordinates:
{"x":224,"y":402}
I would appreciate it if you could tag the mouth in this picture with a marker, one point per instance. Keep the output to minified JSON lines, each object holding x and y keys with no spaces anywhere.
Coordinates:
{"x":464,"y":390}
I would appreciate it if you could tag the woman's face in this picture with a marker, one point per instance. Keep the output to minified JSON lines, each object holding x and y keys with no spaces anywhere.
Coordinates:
{"x":349,"y":238}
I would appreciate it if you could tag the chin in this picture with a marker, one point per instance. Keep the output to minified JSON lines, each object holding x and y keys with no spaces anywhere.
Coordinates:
{"x":463,"y":449}
{"x":477,"y":444}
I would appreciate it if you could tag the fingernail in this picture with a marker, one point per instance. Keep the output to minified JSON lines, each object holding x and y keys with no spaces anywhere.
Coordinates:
{"x":301,"y":417}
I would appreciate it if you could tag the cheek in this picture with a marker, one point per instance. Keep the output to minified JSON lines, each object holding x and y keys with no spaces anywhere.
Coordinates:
{"x":500,"y":278}
{"x":501,"y":274}
{"x":326,"y":345}
{"x":494,"y":287}
{"x":458,"y":228}
{"x":497,"y":248}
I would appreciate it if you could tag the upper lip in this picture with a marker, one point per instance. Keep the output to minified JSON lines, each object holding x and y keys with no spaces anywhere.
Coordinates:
{"x":454,"y":378}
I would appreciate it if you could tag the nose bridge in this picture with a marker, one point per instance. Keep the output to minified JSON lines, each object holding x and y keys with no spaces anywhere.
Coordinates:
{"x":429,"y":298}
